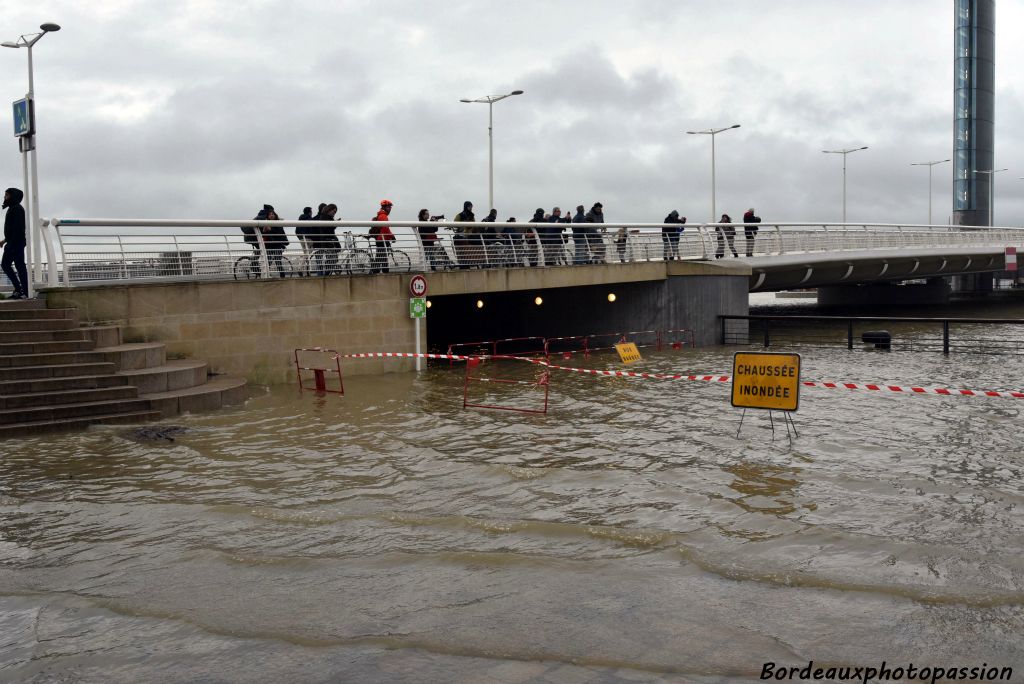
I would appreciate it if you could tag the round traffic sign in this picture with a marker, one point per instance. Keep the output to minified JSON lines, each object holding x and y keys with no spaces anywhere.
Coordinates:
{"x":418,"y":286}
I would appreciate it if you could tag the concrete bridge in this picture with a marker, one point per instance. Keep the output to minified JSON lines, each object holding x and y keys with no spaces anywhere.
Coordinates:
{"x":180,"y":283}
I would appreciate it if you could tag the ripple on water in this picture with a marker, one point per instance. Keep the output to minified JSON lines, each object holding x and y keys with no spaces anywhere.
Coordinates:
{"x":631,"y":506}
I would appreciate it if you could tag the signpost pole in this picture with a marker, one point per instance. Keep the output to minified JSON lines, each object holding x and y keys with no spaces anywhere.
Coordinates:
{"x":30,"y":241}
{"x":419,"y":360}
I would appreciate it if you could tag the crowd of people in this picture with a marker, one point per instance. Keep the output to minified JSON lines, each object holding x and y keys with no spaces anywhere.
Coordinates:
{"x":542,"y":239}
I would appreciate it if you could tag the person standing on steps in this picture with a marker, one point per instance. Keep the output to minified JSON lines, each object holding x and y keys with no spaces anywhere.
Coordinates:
{"x":14,"y":243}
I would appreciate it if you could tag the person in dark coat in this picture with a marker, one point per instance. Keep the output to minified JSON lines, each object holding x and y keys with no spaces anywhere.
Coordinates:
{"x":488,"y":236}
{"x":579,"y":235}
{"x":326,"y":241}
{"x":726,"y":233}
{"x":670,"y":235}
{"x":275,"y":240}
{"x":594,"y":238}
{"x":535,"y":235}
{"x":513,"y":238}
{"x":466,"y":240}
{"x":14,"y":243}
{"x":750,"y":229}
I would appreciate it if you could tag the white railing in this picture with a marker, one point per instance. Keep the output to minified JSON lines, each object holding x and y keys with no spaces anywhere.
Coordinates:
{"x":95,"y":250}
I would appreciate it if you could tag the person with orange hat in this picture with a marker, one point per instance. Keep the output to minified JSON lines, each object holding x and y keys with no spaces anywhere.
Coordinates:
{"x":384,"y":237}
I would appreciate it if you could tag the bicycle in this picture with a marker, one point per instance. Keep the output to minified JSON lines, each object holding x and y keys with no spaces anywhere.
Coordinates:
{"x":352,"y":259}
{"x":397,"y":260}
{"x":250,"y":267}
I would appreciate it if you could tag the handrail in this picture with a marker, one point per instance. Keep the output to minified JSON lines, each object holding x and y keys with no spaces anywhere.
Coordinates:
{"x":92,"y":249}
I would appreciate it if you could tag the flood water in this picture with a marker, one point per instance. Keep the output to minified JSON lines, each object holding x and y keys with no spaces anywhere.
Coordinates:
{"x":629,"y":535}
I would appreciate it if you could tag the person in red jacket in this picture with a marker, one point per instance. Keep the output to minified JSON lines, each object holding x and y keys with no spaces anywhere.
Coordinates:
{"x":384,"y":237}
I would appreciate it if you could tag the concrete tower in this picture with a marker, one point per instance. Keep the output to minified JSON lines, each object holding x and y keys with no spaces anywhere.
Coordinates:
{"x":974,"y":110}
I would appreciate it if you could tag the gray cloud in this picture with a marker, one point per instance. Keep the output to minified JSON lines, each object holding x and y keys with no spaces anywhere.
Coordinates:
{"x":209,"y":109}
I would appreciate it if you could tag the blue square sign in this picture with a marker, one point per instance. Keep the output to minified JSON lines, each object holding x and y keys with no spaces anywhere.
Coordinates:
{"x":22,"y":117}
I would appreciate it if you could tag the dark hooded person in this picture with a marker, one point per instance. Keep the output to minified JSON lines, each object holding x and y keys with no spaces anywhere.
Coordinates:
{"x":670,"y":230}
{"x":14,"y":243}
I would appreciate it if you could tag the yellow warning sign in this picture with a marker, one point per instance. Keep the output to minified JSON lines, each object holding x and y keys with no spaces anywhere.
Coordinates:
{"x":766,"y":380}
{"x":628,"y":352}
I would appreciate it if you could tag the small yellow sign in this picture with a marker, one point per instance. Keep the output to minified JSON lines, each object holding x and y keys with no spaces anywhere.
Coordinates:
{"x":766,"y":380}
{"x":628,"y":352}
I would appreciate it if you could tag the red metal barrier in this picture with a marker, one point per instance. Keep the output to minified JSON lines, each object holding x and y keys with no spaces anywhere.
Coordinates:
{"x":470,"y":348}
{"x":520,"y":346}
{"x":566,"y":346}
{"x":544,"y":380}
{"x":319,"y":372}
{"x":676,"y":338}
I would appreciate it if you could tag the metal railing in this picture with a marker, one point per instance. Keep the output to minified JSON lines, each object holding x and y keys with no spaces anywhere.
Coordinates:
{"x":97,"y":250}
{"x":945,"y":335}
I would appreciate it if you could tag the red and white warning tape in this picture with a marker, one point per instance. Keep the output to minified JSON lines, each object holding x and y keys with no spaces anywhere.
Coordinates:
{"x":944,"y":391}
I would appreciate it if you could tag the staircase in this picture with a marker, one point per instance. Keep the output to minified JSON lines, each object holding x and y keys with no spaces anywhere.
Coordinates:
{"x":56,"y":375}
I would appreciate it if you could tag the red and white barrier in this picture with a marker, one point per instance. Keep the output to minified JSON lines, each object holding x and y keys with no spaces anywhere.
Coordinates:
{"x":871,"y":387}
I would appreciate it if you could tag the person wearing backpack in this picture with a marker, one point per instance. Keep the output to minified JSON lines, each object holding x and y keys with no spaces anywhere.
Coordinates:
{"x":383,"y":238}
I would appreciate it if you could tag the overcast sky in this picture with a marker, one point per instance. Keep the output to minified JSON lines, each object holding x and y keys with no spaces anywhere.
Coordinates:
{"x":208,"y":109}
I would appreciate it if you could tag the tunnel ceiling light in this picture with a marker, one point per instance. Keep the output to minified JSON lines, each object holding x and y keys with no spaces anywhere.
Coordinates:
{"x":429,"y":303}
{"x":479,"y":303}
{"x":611,"y":296}
{"x":538,"y":300}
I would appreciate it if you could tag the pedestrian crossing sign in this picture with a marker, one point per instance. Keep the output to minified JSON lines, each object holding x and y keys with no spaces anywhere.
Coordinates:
{"x":22,"y":117}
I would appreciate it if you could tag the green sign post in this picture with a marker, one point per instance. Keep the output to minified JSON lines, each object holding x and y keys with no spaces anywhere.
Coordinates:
{"x":417,"y":307}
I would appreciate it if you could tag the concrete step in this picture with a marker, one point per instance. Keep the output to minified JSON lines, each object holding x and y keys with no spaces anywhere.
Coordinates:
{"x":43,"y":426}
{"x":215,"y":393}
{"x":55,"y":397}
{"x":124,"y":357}
{"x":44,"y":336}
{"x":49,"y":347}
{"x":21,"y":304}
{"x":34,"y":314}
{"x":54,"y":359}
{"x":68,"y":411}
{"x":173,"y":375}
{"x":74,"y":382}
{"x":56,"y":371}
{"x":22,"y":325}
{"x":103,"y":335}
{"x":136,"y":355}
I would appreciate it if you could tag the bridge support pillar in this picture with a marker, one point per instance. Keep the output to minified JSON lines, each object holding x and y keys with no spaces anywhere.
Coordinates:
{"x":935,"y":291}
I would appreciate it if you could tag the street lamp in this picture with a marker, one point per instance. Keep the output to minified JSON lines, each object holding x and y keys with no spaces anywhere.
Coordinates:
{"x":489,"y":100}
{"x":713,"y":132}
{"x":930,"y":164}
{"x":844,"y":153}
{"x":29,"y":147}
{"x":991,"y":178}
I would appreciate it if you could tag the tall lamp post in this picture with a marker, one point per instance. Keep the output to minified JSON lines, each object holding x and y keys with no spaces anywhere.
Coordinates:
{"x":29,"y":145}
{"x":489,"y":100}
{"x":844,"y":153}
{"x":930,"y":164}
{"x":713,"y":132}
{"x":991,"y":182}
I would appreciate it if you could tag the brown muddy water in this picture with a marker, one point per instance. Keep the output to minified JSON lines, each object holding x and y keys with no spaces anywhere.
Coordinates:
{"x":628,"y":535}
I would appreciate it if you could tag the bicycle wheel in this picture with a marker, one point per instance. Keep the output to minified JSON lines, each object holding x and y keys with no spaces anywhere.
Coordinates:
{"x":400,"y":261}
{"x":291,"y":270}
{"x":498,"y":254}
{"x":245,"y":268}
{"x":320,"y":262}
{"x":358,"y":262}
